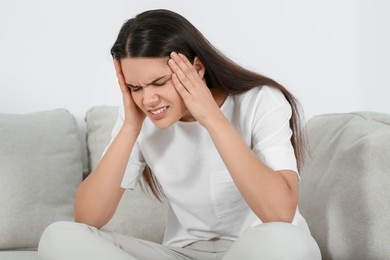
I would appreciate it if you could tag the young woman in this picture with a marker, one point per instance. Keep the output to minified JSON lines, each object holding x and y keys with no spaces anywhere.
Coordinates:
{"x":222,"y":144}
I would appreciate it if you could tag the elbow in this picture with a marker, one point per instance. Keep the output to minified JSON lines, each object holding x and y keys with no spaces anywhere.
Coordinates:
{"x":288,"y":215}
{"x":89,"y":220}
{"x":86,"y":212}
{"x":89,"y":217}
{"x":287,"y":218}
{"x":285,"y":214}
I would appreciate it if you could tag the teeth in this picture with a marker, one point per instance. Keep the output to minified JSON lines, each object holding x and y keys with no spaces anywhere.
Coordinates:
{"x":156,"y":112}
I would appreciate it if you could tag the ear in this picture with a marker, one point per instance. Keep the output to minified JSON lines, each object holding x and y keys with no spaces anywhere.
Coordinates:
{"x":199,"y":67}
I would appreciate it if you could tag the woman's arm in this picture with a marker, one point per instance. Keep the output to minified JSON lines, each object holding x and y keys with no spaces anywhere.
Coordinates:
{"x":272,"y":195}
{"x":99,"y":194}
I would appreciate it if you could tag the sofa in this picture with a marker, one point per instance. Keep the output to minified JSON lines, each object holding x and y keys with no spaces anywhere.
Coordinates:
{"x":343,"y":189}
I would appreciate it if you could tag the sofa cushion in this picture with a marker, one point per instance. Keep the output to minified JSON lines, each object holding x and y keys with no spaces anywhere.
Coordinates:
{"x":18,"y":255}
{"x":138,"y":214}
{"x":344,"y":193}
{"x":40,"y":169}
{"x":100,"y":120}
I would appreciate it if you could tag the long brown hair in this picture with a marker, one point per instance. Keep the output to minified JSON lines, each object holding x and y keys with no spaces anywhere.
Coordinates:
{"x":156,"y":33}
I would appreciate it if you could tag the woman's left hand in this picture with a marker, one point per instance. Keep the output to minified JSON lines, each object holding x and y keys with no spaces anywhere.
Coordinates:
{"x":190,"y":85}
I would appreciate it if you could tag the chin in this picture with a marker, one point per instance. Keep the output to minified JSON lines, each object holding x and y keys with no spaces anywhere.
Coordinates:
{"x":162,"y":124}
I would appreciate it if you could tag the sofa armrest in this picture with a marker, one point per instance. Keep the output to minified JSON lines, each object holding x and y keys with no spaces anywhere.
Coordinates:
{"x":344,"y":192}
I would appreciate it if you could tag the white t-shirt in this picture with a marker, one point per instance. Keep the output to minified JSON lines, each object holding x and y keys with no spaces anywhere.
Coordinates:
{"x":203,"y":200}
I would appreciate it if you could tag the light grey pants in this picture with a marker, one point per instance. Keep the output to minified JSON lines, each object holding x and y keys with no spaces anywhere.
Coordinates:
{"x":69,"y":240}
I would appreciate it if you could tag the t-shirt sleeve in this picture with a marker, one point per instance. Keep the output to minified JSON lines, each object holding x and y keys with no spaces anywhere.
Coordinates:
{"x":136,"y":164}
{"x":272,"y":132}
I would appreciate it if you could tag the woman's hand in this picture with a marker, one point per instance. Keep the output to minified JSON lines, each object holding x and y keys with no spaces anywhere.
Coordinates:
{"x":190,"y":85}
{"x":98,"y":196}
{"x":272,"y":195}
{"x":134,"y":116}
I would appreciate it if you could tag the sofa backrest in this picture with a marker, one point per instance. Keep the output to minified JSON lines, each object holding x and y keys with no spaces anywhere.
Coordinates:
{"x":41,"y":167}
{"x":344,"y":192}
{"x":40,"y":170}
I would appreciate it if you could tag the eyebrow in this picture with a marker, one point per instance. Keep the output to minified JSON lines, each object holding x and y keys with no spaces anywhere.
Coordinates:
{"x":150,"y":83}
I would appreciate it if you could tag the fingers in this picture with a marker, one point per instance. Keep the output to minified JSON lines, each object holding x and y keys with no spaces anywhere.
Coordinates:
{"x":119,"y":75}
{"x":179,"y":87}
{"x":126,"y":93}
{"x":184,"y":70}
{"x":183,"y":63}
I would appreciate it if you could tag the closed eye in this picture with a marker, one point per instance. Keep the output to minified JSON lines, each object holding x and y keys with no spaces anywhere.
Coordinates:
{"x":155,"y":83}
{"x":158,"y":84}
{"x":134,"y":88}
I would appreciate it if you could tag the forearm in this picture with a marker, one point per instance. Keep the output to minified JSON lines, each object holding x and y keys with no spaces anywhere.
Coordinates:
{"x":266,"y":191}
{"x":99,"y":194}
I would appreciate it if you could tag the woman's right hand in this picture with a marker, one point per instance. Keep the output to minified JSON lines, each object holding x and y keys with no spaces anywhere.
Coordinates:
{"x":134,"y":116}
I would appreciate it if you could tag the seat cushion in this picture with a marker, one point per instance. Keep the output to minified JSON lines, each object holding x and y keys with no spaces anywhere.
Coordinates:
{"x":18,"y":255}
{"x":344,"y":192}
{"x":40,"y":169}
{"x":138,"y":214}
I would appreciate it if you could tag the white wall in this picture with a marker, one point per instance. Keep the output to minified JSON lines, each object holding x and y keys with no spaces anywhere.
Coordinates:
{"x":333,"y":54}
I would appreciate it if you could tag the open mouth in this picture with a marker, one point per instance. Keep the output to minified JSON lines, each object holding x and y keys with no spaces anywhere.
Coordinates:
{"x":158,"y":111}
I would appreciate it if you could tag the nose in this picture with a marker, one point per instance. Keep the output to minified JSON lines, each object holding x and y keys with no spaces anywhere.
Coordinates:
{"x":150,"y":98}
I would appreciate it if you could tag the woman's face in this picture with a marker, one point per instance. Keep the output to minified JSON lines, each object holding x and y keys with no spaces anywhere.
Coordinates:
{"x":149,"y":80}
